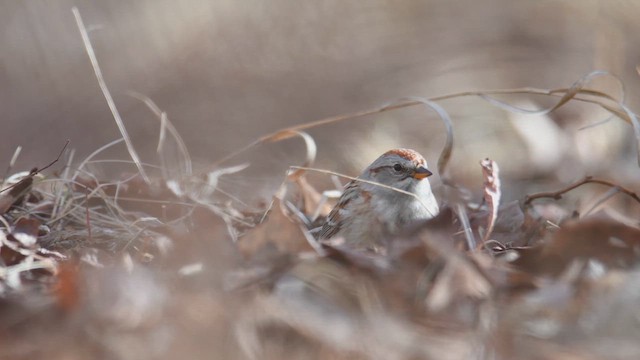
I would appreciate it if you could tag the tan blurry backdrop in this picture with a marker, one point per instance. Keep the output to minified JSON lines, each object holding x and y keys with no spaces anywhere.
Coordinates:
{"x":228,"y":71}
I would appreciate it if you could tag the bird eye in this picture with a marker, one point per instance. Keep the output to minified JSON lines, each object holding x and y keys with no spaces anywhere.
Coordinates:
{"x":397,"y":167}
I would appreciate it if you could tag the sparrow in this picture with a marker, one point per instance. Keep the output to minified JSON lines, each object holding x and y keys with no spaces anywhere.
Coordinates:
{"x":368,"y":215}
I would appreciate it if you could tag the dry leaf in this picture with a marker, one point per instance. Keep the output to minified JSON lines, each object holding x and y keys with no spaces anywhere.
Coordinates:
{"x":611,"y":244}
{"x":277,"y":233}
{"x":492,"y":193}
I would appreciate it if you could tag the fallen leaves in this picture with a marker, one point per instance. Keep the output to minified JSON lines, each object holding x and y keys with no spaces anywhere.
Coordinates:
{"x":595,"y":242}
{"x":278,"y":233}
{"x":151,"y":259}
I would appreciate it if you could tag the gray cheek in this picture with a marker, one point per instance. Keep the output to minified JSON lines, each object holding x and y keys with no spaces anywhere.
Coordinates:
{"x":384,"y":178}
{"x":397,"y":181}
{"x":401,"y":184}
{"x":408,"y":184}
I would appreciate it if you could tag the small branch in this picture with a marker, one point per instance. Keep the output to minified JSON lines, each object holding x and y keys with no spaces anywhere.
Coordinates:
{"x":557,"y":195}
{"x":35,"y":171}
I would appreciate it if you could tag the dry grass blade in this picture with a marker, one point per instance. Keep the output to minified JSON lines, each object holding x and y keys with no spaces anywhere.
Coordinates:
{"x":290,"y":131}
{"x":310,"y":144}
{"x":601,"y":200}
{"x":94,"y":154}
{"x":107,"y":94}
{"x":295,"y":176}
{"x":213,"y":178}
{"x":12,"y":162}
{"x":279,"y":135}
{"x":445,"y":155}
{"x":165,"y":123}
{"x":466,"y":226}
{"x":617,"y":108}
{"x":492,"y":193}
{"x":84,"y":215}
{"x":322,"y":171}
{"x":636,"y":127}
{"x":311,"y":151}
{"x":569,"y":94}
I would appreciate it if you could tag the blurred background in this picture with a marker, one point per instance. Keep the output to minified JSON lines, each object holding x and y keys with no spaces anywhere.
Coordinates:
{"x":227,"y":72}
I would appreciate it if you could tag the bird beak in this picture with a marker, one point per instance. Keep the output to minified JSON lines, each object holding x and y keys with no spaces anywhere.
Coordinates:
{"x":421,"y":173}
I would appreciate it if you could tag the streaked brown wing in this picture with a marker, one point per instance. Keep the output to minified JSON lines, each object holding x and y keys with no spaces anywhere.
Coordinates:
{"x":335,"y":219}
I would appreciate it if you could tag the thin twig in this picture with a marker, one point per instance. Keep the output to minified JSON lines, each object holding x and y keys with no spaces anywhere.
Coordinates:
{"x":557,"y":195}
{"x":56,"y":159}
{"x":565,"y":95}
{"x":322,"y":171}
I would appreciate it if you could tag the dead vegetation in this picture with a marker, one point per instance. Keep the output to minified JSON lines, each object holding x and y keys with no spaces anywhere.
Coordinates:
{"x":482,"y":280}
{"x":163,"y":263}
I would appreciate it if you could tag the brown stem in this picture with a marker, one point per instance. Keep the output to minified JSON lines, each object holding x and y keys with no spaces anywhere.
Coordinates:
{"x":557,"y":195}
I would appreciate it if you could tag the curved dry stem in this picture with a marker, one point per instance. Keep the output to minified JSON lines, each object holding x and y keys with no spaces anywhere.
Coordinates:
{"x":165,"y":123}
{"x":445,"y":154}
{"x":576,"y":92}
{"x":129,"y":162}
{"x":312,"y":150}
{"x":107,"y":94}
{"x":569,"y":94}
{"x":633,"y":118}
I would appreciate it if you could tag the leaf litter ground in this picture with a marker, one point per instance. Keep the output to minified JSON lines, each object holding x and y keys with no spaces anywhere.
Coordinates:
{"x":163,"y":263}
